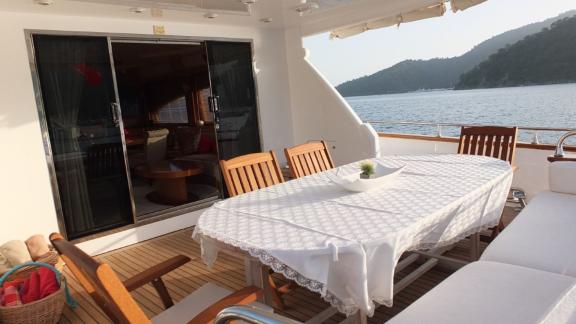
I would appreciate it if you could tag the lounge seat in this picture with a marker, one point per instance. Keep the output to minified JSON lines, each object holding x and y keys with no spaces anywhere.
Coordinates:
{"x":192,"y":305}
{"x":114,"y":298}
{"x":489,"y":292}
{"x":543,"y":236}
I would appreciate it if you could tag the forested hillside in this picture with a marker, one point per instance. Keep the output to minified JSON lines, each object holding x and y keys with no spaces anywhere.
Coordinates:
{"x":439,"y":73}
{"x":543,"y":58}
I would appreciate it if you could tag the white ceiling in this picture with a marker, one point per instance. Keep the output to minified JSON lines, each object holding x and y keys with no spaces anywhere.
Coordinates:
{"x":331,"y":14}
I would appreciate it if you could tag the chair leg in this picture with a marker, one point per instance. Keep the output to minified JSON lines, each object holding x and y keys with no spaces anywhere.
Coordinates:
{"x":163,"y":292}
{"x":276,"y":294}
{"x":496,"y":230}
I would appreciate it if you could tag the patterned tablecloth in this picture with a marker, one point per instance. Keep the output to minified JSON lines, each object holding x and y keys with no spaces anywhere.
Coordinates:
{"x":346,"y":245}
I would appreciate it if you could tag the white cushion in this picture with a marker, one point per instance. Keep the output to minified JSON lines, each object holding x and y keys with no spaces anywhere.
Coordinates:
{"x":192,"y":305}
{"x":543,"y":236}
{"x":202,"y":298}
{"x":562,"y":177}
{"x":490,"y":292}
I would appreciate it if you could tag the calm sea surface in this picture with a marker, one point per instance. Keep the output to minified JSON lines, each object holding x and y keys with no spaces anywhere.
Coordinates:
{"x":540,"y":106}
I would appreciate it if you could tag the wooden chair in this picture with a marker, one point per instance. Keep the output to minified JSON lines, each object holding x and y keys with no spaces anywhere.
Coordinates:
{"x":494,"y":141}
{"x":309,"y":158}
{"x":113,"y":296}
{"x":251,"y":172}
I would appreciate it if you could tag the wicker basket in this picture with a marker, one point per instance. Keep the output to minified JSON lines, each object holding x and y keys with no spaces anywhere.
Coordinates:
{"x":47,"y":310}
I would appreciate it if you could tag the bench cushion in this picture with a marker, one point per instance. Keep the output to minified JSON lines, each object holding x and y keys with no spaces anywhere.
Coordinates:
{"x":490,"y":292}
{"x":542,"y":236}
{"x":562,"y":177}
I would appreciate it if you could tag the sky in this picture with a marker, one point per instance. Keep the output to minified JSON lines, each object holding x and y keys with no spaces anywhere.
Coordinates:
{"x":451,"y":35}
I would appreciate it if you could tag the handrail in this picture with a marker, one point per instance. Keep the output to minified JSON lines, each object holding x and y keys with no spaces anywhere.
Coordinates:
{"x":535,"y":130}
{"x":251,"y":315}
{"x":559,"y":152}
{"x":549,"y":129}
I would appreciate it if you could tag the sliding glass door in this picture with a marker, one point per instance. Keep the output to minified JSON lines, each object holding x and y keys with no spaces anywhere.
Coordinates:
{"x":170,"y":138}
{"x":186,"y":106}
{"x":234,"y":98}
{"x":84,"y":126}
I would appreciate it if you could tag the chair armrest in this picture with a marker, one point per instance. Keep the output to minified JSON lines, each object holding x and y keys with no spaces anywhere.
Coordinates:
{"x":155,"y":272}
{"x":241,"y":297}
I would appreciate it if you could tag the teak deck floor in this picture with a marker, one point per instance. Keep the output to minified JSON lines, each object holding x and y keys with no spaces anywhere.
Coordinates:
{"x":228,"y":272}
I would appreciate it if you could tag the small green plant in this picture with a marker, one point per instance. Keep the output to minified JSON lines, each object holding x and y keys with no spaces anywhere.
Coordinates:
{"x":367,"y":168}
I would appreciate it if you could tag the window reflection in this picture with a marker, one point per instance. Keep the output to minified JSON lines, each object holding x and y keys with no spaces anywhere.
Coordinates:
{"x":169,"y":129}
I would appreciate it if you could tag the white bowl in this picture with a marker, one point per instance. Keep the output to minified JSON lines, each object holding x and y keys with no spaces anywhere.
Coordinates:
{"x":382,"y":176}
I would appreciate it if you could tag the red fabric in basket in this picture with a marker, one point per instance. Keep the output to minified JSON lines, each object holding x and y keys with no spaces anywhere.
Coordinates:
{"x":40,"y":284}
{"x":48,"y":282}
{"x":11,"y":295}
{"x":31,"y":289}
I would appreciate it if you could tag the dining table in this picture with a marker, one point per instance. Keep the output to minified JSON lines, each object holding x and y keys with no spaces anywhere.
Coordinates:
{"x":346,"y":245}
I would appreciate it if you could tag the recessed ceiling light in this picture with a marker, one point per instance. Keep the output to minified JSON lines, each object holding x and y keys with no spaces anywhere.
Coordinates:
{"x":306,"y":8}
{"x":44,"y":2}
{"x":248,"y":2}
{"x":210,"y":15}
{"x":137,"y":10}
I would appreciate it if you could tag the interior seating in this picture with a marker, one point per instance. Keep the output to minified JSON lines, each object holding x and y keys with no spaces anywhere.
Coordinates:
{"x":309,"y":158}
{"x":156,"y":145}
{"x":113,"y":296}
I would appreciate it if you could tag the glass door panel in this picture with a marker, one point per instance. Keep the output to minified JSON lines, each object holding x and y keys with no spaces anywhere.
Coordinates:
{"x":171,"y":147}
{"x":84,"y":128}
{"x":234,"y":98}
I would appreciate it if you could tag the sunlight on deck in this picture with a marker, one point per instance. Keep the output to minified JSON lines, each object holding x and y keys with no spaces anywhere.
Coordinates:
{"x":228,"y":272}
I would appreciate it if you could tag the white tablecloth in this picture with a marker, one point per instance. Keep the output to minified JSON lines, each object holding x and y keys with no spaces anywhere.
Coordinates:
{"x":346,"y":245}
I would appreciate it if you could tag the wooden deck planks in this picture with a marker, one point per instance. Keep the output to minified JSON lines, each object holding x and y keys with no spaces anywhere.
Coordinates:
{"x":227,"y":272}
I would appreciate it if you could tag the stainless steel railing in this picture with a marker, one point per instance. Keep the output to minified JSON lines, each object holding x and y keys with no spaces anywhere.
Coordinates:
{"x":439,"y":127}
{"x":559,"y":152}
{"x":251,"y":315}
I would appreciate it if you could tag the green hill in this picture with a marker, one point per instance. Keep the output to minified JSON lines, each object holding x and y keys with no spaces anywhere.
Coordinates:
{"x":546,"y":57}
{"x":439,"y":73}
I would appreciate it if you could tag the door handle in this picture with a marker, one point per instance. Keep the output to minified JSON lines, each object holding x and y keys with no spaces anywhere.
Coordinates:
{"x":114,"y":111}
{"x":215,"y":109}
{"x":216,"y":104}
{"x":213,"y":104}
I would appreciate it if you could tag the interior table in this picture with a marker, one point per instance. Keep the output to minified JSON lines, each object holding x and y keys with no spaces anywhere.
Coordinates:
{"x":170,"y":180}
{"x":346,"y":245}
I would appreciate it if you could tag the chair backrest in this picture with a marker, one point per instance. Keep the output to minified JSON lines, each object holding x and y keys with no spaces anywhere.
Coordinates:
{"x":251,"y":172}
{"x":309,"y":158}
{"x":156,"y":145}
{"x":188,"y":138}
{"x":494,"y":141}
{"x":100,"y":282}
